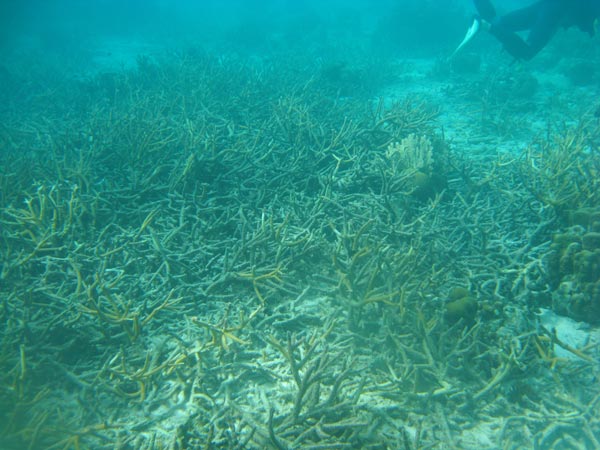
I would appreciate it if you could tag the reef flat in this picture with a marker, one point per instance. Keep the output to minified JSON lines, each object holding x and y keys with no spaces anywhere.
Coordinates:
{"x":225,"y":252}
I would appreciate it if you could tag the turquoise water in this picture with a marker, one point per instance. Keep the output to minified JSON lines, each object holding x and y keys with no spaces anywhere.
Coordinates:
{"x":269,"y":225}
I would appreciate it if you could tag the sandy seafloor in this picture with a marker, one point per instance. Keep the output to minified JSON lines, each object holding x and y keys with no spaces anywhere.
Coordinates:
{"x":233,"y":380}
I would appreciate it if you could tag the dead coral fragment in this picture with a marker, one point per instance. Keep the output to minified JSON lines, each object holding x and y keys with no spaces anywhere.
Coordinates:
{"x":413,"y":161}
{"x":412,"y":153}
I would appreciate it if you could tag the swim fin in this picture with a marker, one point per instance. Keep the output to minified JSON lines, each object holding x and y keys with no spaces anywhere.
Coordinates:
{"x":485,"y":9}
{"x":471,"y":32}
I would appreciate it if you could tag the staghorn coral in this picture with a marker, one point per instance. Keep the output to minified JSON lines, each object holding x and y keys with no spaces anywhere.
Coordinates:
{"x":206,"y":293}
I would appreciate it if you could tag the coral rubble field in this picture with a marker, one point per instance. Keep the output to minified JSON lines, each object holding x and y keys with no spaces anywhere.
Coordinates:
{"x":213,"y":251}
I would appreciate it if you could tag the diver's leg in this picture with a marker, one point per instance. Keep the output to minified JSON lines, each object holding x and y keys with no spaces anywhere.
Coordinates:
{"x":543,"y":30}
{"x":513,"y":44}
{"x":485,"y":9}
{"x":504,"y":29}
{"x":520,"y":19}
{"x":542,"y":18}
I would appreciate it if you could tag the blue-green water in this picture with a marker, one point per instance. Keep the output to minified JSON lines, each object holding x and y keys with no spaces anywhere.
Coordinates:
{"x":295,"y":225}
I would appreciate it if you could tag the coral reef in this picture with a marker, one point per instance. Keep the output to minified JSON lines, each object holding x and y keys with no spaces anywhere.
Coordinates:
{"x":214,"y":252}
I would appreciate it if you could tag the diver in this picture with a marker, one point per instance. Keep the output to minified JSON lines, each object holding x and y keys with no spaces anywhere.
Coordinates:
{"x":542,"y":19}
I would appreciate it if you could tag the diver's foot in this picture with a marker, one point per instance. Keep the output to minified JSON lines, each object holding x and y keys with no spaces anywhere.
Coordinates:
{"x":480,"y":23}
{"x":483,"y":24}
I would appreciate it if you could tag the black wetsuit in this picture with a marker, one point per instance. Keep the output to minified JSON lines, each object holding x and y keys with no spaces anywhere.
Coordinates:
{"x":542,"y":19}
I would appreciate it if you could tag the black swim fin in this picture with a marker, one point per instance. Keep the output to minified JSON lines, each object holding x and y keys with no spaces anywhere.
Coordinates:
{"x":485,"y":9}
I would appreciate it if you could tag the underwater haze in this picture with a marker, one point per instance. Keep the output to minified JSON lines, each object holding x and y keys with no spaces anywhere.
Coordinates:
{"x":251,"y":24}
{"x":295,"y":225}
